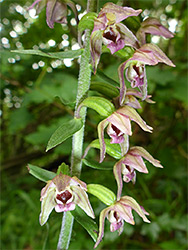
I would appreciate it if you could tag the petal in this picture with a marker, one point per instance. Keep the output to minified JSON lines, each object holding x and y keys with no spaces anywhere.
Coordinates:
{"x":102,"y":125}
{"x":127,"y":36}
{"x":96,"y":48}
{"x":64,"y":208}
{"x":135,"y":162}
{"x":100,"y":22}
{"x":102,"y":217}
{"x":115,"y":46}
{"x":62,"y":182}
{"x":121,"y":13}
{"x":157,"y":53}
{"x":143,"y":153}
{"x":55,"y":12}
{"x":124,"y":145}
{"x":33,"y":4}
{"x":129,"y":201}
{"x":121,"y":69}
{"x":121,"y":122}
{"x":129,"y":112}
{"x":117,"y":175}
{"x":47,"y":205}
{"x":124,"y":212}
{"x":81,"y":199}
{"x":44,"y":191}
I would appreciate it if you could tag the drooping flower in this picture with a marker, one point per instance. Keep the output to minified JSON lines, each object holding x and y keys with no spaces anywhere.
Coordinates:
{"x":129,"y":163}
{"x":63,"y":193}
{"x":56,"y":10}
{"x":119,"y":125}
{"x":109,"y":30}
{"x":119,"y":212}
{"x":154,"y":27}
{"x":148,"y":54}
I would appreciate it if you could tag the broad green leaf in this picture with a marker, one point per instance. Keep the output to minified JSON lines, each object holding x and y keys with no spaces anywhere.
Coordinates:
{"x":101,"y":105}
{"x":104,"y":88}
{"x":89,"y":224}
{"x":40,"y":173}
{"x":63,"y":132}
{"x":58,"y":55}
{"x":102,"y":193}
{"x":113,"y":150}
{"x":96,"y":165}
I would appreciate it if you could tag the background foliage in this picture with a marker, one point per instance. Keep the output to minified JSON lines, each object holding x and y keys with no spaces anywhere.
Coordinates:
{"x":34,"y":92}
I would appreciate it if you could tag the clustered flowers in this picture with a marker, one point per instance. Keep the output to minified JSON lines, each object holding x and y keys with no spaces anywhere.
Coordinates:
{"x":64,"y":192}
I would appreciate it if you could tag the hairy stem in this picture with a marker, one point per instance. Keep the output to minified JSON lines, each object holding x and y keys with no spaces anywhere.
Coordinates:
{"x":77,"y":142}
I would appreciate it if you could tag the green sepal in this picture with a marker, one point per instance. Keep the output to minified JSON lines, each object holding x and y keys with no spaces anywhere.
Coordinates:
{"x":101,"y":105}
{"x":58,"y":55}
{"x":64,"y":169}
{"x":102,"y":193}
{"x":40,"y":173}
{"x":89,"y":224}
{"x":65,"y":131}
{"x":105,"y":89}
{"x":87,"y":22}
{"x":113,"y":150}
{"x":96,"y":165}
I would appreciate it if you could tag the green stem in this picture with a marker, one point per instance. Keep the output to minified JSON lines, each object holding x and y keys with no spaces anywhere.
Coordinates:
{"x":77,"y":142}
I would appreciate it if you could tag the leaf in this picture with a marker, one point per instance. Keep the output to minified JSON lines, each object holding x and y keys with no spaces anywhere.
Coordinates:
{"x":58,"y":55}
{"x":96,"y":165}
{"x":40,"y":173}
{"x":106,"y":89}
{"x":63,"y":132}
{"x":102,"y":193}
{"x":89,"y":224}
{"x":113,"y":150}
{"x":101,"y":105}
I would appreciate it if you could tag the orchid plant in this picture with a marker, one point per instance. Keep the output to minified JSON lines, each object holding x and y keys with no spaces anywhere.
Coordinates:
{"x":64,"y":191}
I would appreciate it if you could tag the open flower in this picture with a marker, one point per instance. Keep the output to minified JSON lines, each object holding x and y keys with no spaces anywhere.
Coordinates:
{"x":109,"y":30}
{"x":56,"y":10}
{"x":129,"y":163}
{"x":63,"y":193}
{"x":154,"y":27}
{"x":119,"y":125}
{"x":148,"y":54}
{"x":119,"y":212}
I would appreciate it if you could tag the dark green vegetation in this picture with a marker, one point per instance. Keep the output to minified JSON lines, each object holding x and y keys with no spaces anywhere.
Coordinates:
{"x":38,"y":95}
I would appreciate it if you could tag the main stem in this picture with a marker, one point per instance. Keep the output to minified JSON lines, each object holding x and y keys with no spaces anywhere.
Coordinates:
{"x":77,"y":142}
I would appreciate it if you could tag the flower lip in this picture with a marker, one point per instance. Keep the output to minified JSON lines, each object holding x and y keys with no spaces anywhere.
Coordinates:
{"x":64,"y":197}
{"x":110,"y":35}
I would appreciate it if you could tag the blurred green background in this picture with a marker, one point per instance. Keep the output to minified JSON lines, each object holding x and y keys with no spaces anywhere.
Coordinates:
{"x":32,"y":88}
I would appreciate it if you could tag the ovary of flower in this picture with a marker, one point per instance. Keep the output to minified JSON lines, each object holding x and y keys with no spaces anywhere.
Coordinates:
{"x":63,"y":193}
{"x":119,"y":212}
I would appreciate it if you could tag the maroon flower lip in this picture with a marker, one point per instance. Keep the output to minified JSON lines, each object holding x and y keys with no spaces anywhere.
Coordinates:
{"x":64,"y":197}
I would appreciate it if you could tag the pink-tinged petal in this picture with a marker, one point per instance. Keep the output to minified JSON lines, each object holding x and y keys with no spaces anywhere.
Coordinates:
{"x":158,"y":54}
{"x":78,"y":182}
{"x":102,"y":217}
{"x":131,"y":101}
{"x":115,"y":134}
{"x":129,"y":112}
{"x":120,"y":13}
{"x":55,"y":12}
{"x":65,"y":207}
{"x":135,"y":162}
{"x":129,"y":201}
{"x":127,"y":36}
{"x":96,"y":48}
{"x":61,"y":182}
{"x":139,"y":151}
{"x":100,"y":23}
{"x":47,"y":205}
{"x":129,"y":174}
{"x":74,"y":9}
{"x":124,"y":212}
{"x":124,"y":145}
{"x":117,"y":175}
{"x":154,"y":27}
{"x":121,"y":122}
{"x":81,"y":199}
{"x":138,"y":94}
{"x":116,"y":222}
{"x":102,"y":125}
{"x":115,"y":46}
